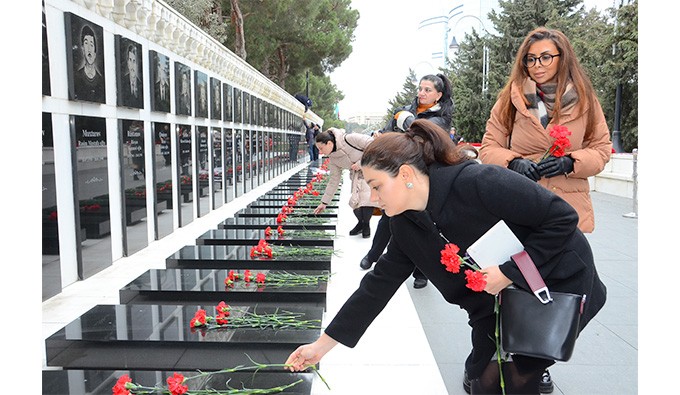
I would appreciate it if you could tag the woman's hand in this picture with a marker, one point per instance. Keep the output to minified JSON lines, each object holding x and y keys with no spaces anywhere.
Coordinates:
{"x":319,"y":208}
{"x":495,"y":280}
{"x":310,"y":354}
{"x":355,"y":167}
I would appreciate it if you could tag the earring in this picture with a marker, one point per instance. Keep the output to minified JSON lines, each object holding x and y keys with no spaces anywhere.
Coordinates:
{"x":409,"y":185}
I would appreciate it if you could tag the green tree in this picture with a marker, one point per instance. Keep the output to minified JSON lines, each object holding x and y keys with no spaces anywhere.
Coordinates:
{"x":593,"y":37}
{"x":408,"y":92}
{"x":285,"y":39}
{"x":289,"y":37}
{"x":208,"y":15}
{"x":324,"y":96}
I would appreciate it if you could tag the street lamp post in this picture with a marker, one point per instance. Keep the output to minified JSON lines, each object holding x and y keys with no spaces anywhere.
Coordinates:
{"x":485,"y":52}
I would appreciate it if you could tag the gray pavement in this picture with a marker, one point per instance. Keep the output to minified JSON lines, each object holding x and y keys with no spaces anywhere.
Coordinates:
{"x":605,"y":360}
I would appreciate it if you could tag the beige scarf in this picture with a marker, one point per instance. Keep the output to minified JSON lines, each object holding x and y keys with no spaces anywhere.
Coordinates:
{"x":542,"y":99}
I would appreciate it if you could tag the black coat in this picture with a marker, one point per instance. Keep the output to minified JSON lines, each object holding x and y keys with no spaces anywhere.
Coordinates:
{"x":465,"y":201}
{"x":434,"y":114}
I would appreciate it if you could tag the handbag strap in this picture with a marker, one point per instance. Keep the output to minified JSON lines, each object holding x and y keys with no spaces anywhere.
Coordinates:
{"x":350,"y":144}
{"x":533,"y":277}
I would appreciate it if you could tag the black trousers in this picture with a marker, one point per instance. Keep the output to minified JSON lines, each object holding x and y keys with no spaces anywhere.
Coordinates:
{"x":381,"y":238}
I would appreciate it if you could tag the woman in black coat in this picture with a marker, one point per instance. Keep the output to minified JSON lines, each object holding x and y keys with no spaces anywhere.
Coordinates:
{"x":427,"y":186}
{"x":434,"y":103}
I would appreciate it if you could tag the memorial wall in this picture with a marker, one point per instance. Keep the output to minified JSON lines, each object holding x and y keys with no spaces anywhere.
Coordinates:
{"x":148,"y":123}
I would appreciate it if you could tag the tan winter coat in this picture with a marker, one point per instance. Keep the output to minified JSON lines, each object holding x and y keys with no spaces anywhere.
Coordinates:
{"x":342,"y":158}
{"x":590,"y":151}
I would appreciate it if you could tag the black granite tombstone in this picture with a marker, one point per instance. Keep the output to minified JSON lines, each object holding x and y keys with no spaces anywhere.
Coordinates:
{"x":160,"y":337}
{"x":101,"y":382}
{"x":238,"y":257}
{"x":264,"y":222}
{"x":206,"y":286}
{"x":290,"y":237}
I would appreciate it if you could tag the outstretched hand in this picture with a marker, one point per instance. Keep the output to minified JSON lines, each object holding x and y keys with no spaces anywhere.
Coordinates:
{"x":310,"y":354}
{"x":319,"y":208}
{"x":302,"y":358}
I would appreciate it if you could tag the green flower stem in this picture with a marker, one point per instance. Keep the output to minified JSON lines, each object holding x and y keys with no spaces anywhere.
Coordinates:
{"x":284,"y":320}
{"x":138,"y":389}
{"x":296,"y":219}
{"x":497,"y":334}
{"x":301,"y":251}
{"x":286,"y":279}
{"x":318,"y":234}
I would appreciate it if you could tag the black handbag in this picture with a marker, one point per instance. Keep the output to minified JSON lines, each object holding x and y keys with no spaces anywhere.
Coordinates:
{"x":539,"y":324}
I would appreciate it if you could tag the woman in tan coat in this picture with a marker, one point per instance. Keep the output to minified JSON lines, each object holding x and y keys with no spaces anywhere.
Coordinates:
{"x":344,"y":151}
{"x":549,"y":87}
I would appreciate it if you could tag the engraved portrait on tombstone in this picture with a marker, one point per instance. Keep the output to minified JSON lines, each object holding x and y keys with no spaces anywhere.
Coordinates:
{"x":182,"y":89}
{"x":159,"y":73}
{"x":129,"y":80}
{"x":46,"y":90}
{"x":85,"y":59}
{"x":201,"y":84}
{"x":215,"y":98}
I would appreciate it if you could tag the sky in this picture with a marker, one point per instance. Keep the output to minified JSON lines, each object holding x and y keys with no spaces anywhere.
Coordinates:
{"x":378,"y":66}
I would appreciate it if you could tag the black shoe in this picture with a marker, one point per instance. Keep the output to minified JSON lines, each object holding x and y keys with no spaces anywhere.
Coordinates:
{"x":357,"y":229}
{"x":419,"y":283}
{"x":546,"y":385}
{"x":366,"y":232}
{"x":365,"y":263}
{"x":466,"y":382}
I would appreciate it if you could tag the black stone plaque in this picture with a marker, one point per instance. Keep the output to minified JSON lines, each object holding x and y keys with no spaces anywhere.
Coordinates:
{"x":238,"y":257}
{"x":159,"y":337}
{"x":280,"y":203}
{"x":264,"y":222}
{"x":101,"y":382}
{"x":290,"y":237}
{"x":85,"y":54}
{"x":190,"y":286}
{"x":296,"y":216}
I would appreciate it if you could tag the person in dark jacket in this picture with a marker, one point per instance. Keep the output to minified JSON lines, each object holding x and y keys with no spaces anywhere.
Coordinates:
{"x":435,"y":195}
{"x":433,"y":103}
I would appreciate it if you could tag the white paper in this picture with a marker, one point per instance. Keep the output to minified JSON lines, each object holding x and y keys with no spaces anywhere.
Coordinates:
{"x":495,"y":247}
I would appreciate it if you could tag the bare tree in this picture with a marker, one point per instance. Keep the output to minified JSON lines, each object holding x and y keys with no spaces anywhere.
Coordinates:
{"x":237,"y":22}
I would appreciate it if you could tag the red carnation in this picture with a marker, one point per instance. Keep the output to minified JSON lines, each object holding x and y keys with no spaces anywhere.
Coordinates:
{"x":475,"y":280}
{"x":121,"y":385}
{"x":175,"y":384}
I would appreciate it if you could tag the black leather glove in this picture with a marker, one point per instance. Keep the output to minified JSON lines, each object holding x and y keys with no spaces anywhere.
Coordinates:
{"x":552,"y":166}
{"x":525,"y":167}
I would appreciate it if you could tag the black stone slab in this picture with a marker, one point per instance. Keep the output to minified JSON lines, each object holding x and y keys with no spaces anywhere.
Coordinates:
{"x":280,"y":203}
{"x":238,"y":257}
{"x":264,"y":222}
{"x":284,"y":199}
{"x":289,"y":192}
{"x":191,"y":286}
{"x":159,"y":337}
{"x":101,"y":382}
{"x":291,"y":237}
{"x":274,"y":212}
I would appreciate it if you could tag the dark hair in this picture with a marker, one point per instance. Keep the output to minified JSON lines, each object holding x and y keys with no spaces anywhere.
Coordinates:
{"x":568,"y":70}
{"x":442,"y":84}
{"x":423,"y":143}
{"x":87,"y":31}
{"x":326,"y":136}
